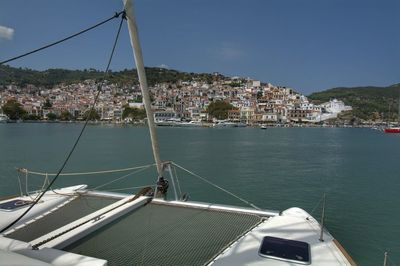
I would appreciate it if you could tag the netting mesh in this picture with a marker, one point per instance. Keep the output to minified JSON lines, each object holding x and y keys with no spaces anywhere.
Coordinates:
{"x":165,"y":235}
{"x":77,"y":208}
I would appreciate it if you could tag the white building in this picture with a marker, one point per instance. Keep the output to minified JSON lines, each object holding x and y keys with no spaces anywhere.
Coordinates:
{"x":335,"y":106}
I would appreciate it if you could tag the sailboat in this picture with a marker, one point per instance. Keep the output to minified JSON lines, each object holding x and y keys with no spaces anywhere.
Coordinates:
{"x":78,"y":225}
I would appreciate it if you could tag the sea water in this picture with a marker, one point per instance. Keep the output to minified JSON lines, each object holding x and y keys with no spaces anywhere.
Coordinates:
{"x":278,"y":168}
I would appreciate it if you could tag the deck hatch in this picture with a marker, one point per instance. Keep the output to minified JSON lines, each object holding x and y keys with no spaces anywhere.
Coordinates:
{"x":285,"y":249}
{"x":14,"y":204}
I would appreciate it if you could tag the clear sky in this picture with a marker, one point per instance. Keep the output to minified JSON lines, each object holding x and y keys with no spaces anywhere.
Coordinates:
{"x":309,"y":45}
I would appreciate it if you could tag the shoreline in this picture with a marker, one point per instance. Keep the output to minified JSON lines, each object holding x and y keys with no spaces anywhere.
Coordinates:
{"x":204,"y":125}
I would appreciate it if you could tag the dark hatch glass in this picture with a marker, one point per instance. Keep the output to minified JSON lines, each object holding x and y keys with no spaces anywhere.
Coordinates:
{"x":285,"y":249}
{"x":14,"y":204}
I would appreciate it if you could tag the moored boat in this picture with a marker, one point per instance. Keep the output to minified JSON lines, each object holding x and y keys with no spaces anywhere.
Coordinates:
{"x":392,"y":130}
{"x":229,"y":124}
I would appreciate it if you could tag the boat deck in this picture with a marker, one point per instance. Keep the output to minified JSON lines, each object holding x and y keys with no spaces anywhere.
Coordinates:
{"x":158,"y":234}
{"x":133,"y":230}
{"x":78,"y":207}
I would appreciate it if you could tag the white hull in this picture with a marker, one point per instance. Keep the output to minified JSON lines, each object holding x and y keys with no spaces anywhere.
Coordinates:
{"x":294,"y":223}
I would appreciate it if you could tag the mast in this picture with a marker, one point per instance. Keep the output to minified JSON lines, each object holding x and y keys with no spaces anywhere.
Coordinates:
{"x":137,"y":52}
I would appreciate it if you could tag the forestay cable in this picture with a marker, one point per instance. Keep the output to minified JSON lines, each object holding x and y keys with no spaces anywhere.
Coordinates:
{"x":116,"y":15}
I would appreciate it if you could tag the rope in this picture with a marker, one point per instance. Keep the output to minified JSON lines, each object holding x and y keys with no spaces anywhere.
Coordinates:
{"x":77,"y":140}
{"x":26,"y":184}
{"x":116,"y":15}
{"x":127,"y":188}
{"x":173,"y":181}
{"x":216,"y":186}
{"x":122,"y":177}
{"x":141,"y":168}
{"x":316,"y":206}
{"x":391,"y":261}
{"x":177,"y":182}
{"x":88,"y":173}
{"x":20,"y":185}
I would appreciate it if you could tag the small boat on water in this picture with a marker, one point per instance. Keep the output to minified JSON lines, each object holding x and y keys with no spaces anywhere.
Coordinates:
{"x":178,"y":123}
{"x":189,"y":124}
{"x":392,"y":130}
{"x":263,"y":127}
{"x":229,"y":124}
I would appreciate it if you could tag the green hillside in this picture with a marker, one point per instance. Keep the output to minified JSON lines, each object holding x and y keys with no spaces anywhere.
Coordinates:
{"x":369,"y":103}
{"x":51,"y":77}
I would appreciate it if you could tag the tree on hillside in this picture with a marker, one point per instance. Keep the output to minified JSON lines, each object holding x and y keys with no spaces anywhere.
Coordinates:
{"x":138,"y":99}
{"x":66,"y":116}
{"x":31,"y":117}
{"x":368,"y":103}
{"x":47,"y":104}
{"x":13,"y":110}
{"x":52,"y":116}
{"x":93,"y":115}
{"x":219,"y":109}
{"x":134,"y":113}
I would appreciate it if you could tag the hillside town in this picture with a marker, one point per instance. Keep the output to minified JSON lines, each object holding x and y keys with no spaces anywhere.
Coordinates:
{"x":252,"y":101}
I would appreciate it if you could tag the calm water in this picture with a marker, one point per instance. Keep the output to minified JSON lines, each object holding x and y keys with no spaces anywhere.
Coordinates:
{"x":275,"y":169}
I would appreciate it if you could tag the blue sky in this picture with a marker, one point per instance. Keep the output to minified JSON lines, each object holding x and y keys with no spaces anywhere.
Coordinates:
{"x":309,"y":45}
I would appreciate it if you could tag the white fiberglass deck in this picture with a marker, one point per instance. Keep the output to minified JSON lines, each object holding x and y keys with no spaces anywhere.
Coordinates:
{"x":294,"y":224}
{"x":51,"y":200}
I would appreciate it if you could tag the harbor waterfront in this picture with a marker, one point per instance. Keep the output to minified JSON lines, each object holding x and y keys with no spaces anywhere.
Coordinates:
{"x":357,"y":168}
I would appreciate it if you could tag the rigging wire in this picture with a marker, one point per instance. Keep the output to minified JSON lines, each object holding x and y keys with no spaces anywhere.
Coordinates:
{"x":122,"y":177}
{"x":177,"y":182}
{"x":130,"y":188}
{"x":216,"y":186}
{"x":317,"y":205}
{"x":84,"y":126}
{"x":116,"y":15}
{"x":87,"y":173}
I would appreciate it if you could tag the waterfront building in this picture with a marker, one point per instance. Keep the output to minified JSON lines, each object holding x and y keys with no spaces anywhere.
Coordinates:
{"x":246,"y":114}
{"x":335,"y":106}
{"x":234,"y":115}
{"x":164,"y":115}
{"x":255,"y":102}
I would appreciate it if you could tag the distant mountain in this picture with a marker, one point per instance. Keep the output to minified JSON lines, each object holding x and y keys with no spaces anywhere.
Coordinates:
{"x":51,"y":77}
{"x":367,"y":102}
